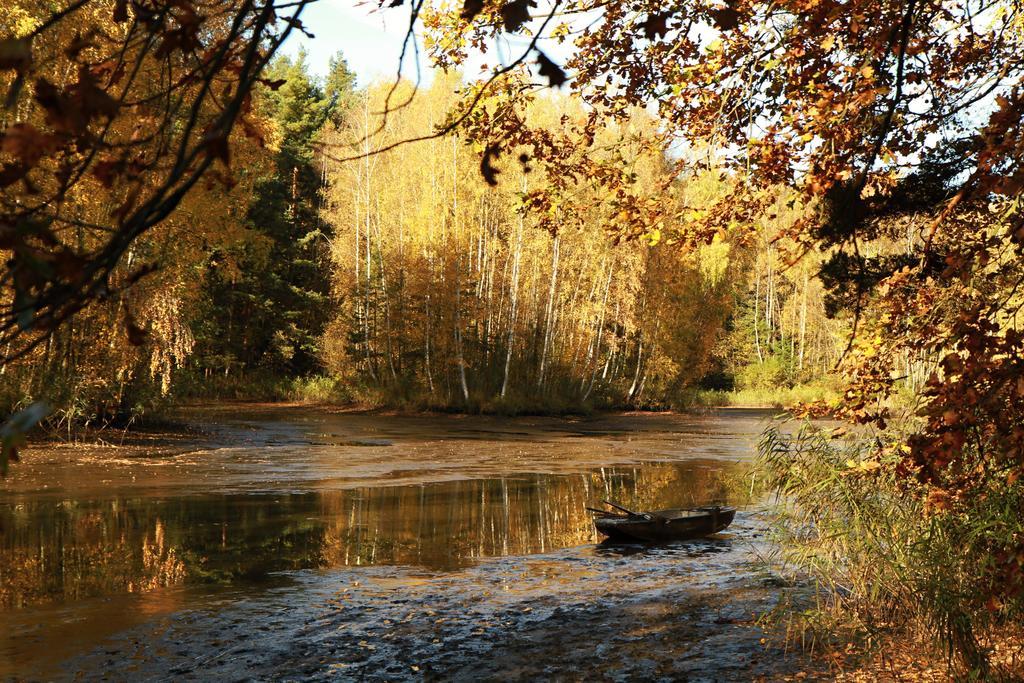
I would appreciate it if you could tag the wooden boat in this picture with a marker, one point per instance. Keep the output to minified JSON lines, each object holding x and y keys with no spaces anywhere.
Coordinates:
{"x":662,"y":525}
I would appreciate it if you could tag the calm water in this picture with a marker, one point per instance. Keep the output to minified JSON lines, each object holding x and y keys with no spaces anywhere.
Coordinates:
{"x":96,"y":541}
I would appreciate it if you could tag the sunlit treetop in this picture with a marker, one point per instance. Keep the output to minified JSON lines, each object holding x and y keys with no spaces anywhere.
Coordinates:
{"x":841,"y":99}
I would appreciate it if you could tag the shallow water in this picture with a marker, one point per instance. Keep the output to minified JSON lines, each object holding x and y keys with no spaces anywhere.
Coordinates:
{"x":293,"y":542}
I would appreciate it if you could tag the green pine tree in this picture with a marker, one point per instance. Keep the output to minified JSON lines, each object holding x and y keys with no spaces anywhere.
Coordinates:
{"x":268,"y":311}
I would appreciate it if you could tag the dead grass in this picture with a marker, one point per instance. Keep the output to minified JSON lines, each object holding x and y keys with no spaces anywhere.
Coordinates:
{"x":904,"y":658}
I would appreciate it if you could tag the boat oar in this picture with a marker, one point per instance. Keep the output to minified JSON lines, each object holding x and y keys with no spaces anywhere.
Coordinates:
{"x":603,"y":512}
{"x":641,"y":515}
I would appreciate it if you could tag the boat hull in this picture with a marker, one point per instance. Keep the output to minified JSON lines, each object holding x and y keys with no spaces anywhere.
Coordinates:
{"x":664,"y":527}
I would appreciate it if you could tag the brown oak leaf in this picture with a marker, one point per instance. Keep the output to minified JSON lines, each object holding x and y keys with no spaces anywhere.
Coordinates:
{"x":656,"y":25}
{"x":471,"y":8}
{"x":726,"y":18}
{"x":487,"y":170}
{"x":516,"y":13}
{"x":554,"y":73}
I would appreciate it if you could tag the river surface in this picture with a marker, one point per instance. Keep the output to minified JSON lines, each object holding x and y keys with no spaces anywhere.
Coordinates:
{"x":289,"y":542}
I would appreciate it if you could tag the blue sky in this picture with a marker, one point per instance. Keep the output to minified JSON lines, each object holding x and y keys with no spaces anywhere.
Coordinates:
{"x":371,"y":41}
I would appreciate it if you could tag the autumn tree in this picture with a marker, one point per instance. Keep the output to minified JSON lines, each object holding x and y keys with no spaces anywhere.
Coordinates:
{"x":108,"y":127}
{"x":132,"y":100}
{"x":472,"y":296}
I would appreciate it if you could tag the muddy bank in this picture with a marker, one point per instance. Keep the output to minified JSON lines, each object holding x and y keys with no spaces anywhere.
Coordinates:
{"x":293,"y":543}
{"x":681,"y":612}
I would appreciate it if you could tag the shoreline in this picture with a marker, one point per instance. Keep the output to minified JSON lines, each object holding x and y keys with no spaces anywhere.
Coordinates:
{"x":173,"y":424}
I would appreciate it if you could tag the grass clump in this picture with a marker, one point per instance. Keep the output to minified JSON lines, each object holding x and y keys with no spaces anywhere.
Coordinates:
{"x":260,"y":386}
{"x":889,"y":560}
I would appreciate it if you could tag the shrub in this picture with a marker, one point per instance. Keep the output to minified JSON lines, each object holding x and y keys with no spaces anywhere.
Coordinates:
{"x":770,"y":374}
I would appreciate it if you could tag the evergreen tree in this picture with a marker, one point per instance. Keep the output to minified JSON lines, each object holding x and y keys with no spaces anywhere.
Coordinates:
{"x":340,"y":88}
{"x":268,"y":299}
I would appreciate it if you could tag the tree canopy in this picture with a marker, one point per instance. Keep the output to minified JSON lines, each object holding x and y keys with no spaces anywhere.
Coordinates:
{"x":124,"y":103}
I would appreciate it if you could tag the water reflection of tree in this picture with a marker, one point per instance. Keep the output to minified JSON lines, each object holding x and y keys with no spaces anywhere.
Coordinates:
{"x":453,"y":524}
{"x":73,"y":549}
{"x":70,"y":550}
